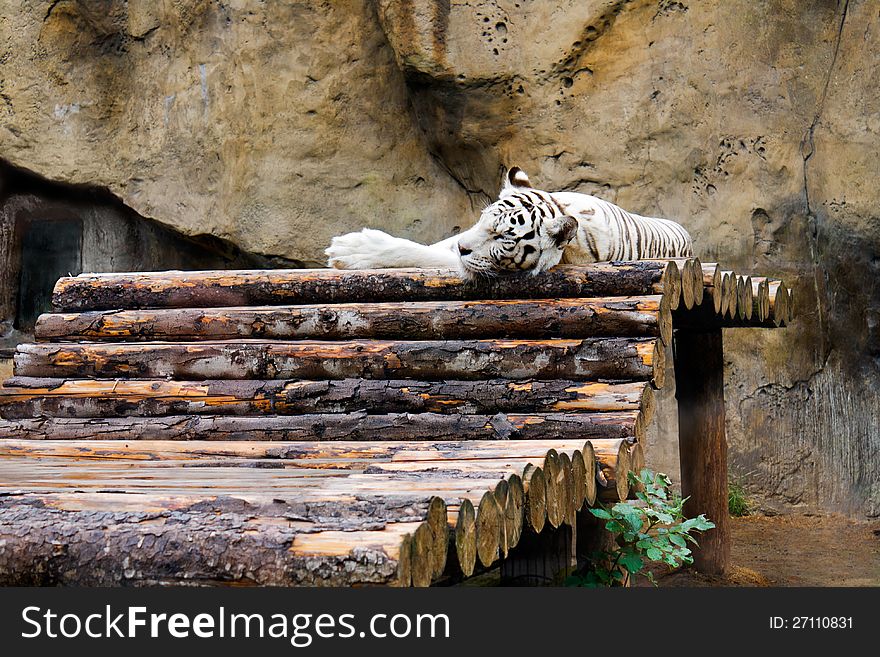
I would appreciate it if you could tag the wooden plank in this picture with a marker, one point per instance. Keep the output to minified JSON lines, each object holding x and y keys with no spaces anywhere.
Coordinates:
{"x":699,"y":376}
{"x":176,"y":289}
{"x":428,"y":452}
{"x":589,"y":359}
{"x":23,"y":397}
{"x":333,"y":426}
{"x":425,"y":320}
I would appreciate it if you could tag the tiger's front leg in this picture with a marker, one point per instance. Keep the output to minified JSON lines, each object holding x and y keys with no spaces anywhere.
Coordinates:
{"x":374,"y":249}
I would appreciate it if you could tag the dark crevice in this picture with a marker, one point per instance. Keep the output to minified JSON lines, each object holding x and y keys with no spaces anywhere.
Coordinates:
{"x":808,"y":149}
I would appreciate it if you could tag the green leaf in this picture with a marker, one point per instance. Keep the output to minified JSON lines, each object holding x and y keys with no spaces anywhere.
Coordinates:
{"x":654,"y":554}
{"x":678,"y":540}
{"x":614,"y":527}
{"x":601,"y":513}
{"x":631,"y":561}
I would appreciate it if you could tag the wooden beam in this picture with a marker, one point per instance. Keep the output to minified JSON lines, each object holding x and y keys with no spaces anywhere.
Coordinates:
{"x":24,"y":397}
{"x":588,"y":359}
{"x":699,"y":377}
{"x":201,"y":289}
{"x":332,"y":426}
{"x":415,"y":320}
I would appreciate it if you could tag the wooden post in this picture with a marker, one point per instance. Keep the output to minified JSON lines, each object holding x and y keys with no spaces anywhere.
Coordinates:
{"x":699,"y":381}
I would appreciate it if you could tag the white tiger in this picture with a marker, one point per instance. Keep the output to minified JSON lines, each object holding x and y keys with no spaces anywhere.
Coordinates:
{"x":526,"y":229}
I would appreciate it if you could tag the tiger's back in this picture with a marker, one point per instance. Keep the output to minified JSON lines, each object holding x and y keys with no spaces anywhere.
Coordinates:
{"x":607,"y":232}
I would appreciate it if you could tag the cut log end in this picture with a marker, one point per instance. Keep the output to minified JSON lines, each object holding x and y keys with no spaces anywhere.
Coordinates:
{"x":422,"y":567}
{"x":488,"y":529}
{"x":439,"y":526}
{"x":466,"y":538}
{"x":554,"y":485}
{"x":590,"y":488}
{"x":688,"y":284}
{"x":718,"y":290}
{"x":658,"y":365}
{"x":671,"y":281}
{"x":535,"y":489}
{"x":699,"y":290}
{"x":404,"y":562}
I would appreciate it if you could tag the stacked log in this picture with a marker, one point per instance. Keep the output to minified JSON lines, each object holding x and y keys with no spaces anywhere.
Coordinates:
{"x":338,"y":428}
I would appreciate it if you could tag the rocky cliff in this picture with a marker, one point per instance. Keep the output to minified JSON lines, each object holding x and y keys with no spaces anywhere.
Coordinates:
{"x":278,"y":124}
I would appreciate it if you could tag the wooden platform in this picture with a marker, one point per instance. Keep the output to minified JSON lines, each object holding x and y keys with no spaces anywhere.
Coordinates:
{"x":317,"y":427}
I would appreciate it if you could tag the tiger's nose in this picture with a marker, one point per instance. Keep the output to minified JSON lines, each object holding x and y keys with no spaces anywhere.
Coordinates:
{"x":464,"y":250}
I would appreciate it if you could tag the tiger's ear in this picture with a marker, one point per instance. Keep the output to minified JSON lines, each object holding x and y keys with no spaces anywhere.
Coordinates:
{"x":514,"y":179}
{"x":563,"y":230}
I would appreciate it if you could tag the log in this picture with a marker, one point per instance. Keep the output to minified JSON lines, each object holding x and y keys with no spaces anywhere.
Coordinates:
{"x":615,"y":464}
{"x":421,"y":565}
{"x":578,"y":478}
{"x":729,"y":290}
{"x":777,"y":301}
{"x":516,"y":493}
{"x":466,"y":538}
{"x":137,"y":548}
{"x":204,"y":289}
{"x":690,"y":280}
{"x":437,"y":523}
{"x":298,"y":454}
{"x":330,"y":490}
{"x":535,"y":490}
{"x":567,"y":488}
{"x":592,"y":358}
{"x":744,"y":300}
{"x":637,"y":460}
{"x":699,"y":368}
{"x":417,"y":320}
{"x":554,"y":483}
{"x":24,"y":397}
{"x":502,"y":497}
{"x":488,"y":529}
{"x":718,"y":290}
{"x":590,"y":477}
{"x":333,"y":426}
{"x":404,"y":562}
{"x":760,"y":299}
{"x":699,"y":282}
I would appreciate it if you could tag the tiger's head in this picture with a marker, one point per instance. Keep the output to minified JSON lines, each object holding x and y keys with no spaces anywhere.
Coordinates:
{"x":524,"y":230}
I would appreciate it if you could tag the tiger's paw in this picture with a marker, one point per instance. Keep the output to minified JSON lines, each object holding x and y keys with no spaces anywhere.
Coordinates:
{"x":367,"y":249}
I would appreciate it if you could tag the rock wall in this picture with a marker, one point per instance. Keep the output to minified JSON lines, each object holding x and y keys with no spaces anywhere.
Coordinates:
{"x":277,"y":125}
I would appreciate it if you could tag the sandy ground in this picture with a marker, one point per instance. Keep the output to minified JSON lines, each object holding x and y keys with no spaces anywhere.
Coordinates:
{"x":795,"y":550}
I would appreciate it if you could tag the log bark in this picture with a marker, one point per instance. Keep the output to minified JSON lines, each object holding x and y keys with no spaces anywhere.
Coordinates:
{"x":593,"y":358}
{"x":332,"y":426}
{"x":187,"y":547}
{"x":176,"y":289}
{"x":24,"y":397}
{"x":699,"y":371}
{"x":425,"y":320}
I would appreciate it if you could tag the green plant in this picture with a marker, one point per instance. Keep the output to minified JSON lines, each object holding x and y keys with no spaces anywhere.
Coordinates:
{"x":653,"y":530}
{"x":737,"y":502}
